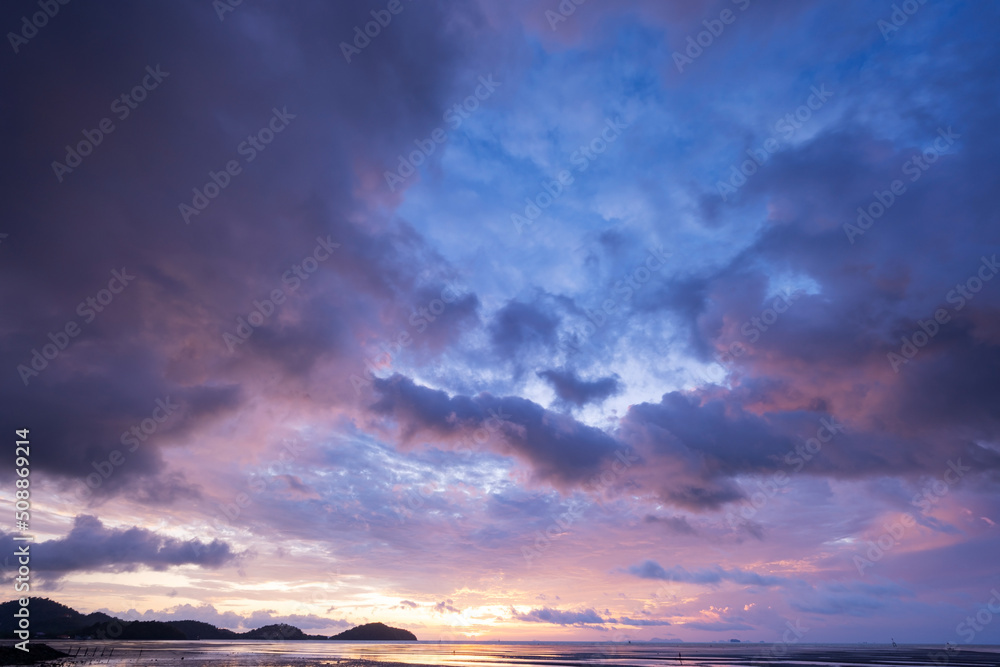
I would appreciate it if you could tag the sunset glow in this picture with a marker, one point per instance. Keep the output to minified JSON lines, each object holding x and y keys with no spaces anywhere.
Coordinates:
{"x":508,"y":320}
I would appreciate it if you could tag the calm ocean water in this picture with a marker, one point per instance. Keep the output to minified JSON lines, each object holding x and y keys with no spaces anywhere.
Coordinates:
{"x":563,"y":654}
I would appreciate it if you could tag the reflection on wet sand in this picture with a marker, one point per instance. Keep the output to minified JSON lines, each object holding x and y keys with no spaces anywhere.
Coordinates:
{"x":408,"y":654}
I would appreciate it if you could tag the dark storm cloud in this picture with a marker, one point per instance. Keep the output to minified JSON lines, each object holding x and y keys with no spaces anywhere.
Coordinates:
{"x":518,"y":325}
{"x":853,"y":304}
{"x":715,"y":439}
{"x":706,"y":576}
{"x":162,"y":335}
{"x":684,"y":296}
{"x":90,"y":546}
{"x":725,"y":441}
{"x":559,"y":448}
{"x":84,"y":414}
{"x":677,"y":524}
{"x":572,"y":389}
{"x":711,"y":445}
{"x":559,"y":617}
{"x":586,"y":617}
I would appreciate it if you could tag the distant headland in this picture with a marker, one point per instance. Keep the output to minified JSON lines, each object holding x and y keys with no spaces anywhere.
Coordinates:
{"x":52,"y":620}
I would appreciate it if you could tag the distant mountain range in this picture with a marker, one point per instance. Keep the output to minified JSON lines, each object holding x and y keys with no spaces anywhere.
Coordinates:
{"x":50,"y":619}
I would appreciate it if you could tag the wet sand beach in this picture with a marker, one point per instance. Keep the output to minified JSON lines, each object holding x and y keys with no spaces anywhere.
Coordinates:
{"x":362,"y":654}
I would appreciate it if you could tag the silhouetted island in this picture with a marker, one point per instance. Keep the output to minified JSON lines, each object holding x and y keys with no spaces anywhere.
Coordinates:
{"x":376,"y":632}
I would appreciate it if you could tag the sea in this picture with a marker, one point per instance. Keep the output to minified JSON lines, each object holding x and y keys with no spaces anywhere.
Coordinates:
{"x":224,"y":653}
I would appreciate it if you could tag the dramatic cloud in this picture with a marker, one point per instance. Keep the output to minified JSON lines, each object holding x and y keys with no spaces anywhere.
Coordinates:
{"x":507,"y":304}
{"x":678,"y":524}
{"x":572,"y":389}
{"x":558,"y":448}
{"x":90,"y":546}
{"x":710,"y":576}
{"x":581,"y":618}
{"x":446,"y":606}
{"x":518,"y":325}
{"x":558,"y":617}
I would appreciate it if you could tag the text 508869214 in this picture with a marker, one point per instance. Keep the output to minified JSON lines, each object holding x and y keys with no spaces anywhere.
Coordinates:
{"x":22,"y":517}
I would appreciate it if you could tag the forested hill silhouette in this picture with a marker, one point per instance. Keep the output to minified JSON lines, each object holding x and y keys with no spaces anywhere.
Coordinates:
{"x":379,"y":632}
{"x":50,"y":619}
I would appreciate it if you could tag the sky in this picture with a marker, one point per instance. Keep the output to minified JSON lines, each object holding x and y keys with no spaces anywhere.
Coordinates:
{"x":567,"y":320}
